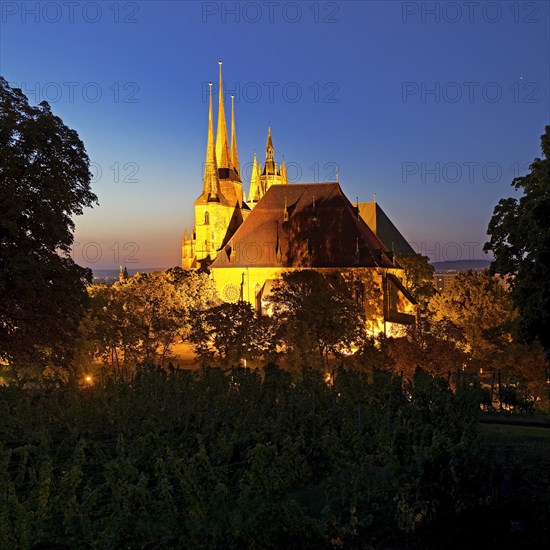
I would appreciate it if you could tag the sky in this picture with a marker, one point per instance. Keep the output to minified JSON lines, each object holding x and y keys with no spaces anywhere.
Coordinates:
{"x":433,"y":106}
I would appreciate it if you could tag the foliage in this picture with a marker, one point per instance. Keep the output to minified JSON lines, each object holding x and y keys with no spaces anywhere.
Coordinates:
{"x":44,"y":182}
{"x":139,"y":318}
{"x":362,"y":286}
{"x":228,"y":333}
{"x":418,"y":276}
{"x":481,"y":307}
{"x":438,"y":346}
{"x":520,"y":241}
{"x":312,"y":318}
{"x":374,"y":355}
{"x":211,"y":459}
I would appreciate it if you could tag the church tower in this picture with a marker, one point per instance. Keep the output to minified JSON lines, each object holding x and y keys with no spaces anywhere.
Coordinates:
{"x":263,"y":178}
{"x":219,"y":209}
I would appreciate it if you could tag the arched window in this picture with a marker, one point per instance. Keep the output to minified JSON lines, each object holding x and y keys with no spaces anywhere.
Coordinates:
{"x":206,"y":218}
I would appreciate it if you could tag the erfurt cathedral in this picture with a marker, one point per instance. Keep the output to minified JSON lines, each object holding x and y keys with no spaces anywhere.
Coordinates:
{"x":247,"y":241}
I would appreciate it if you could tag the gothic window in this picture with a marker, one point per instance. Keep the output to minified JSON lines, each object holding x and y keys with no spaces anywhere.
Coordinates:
{"x":207,"y":218}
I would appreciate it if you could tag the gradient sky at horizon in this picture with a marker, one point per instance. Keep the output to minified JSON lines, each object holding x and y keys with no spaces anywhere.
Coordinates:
{"x":433,"y":106}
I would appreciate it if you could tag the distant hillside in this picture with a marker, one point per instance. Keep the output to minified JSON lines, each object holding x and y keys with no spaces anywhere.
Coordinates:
{"x":461,"y":265}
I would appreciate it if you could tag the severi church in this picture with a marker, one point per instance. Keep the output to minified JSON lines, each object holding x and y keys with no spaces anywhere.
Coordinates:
{"x":247,"y":241}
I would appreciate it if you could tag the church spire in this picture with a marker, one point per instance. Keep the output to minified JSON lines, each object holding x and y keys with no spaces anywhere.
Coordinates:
{"x":269,"y":151}
{"x":234,"y":152}
{"x":269,"y":169}
{"x":222,"y":145}
{"x":255,"y":184}
{"x":284,"y":177}
{"x":211,"y":183}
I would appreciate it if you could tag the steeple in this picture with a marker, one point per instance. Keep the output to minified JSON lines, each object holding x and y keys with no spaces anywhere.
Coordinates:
{"x":284,"y":178}
{"x":211,"y":183}
{"x":269,"y":151}
{"x":222,"y":145}
{"x":255,"y":183}
{"x":234,"y":152}
{"x":269,"y":169}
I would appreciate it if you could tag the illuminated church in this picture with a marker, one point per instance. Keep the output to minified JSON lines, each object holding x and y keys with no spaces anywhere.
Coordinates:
{"x":247,"y":242}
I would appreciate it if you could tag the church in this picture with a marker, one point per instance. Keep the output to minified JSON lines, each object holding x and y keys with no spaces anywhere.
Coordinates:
{"x":247,"y":241}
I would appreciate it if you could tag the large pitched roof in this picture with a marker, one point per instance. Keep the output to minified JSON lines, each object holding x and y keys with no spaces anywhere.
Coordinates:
{"x":384,"y":228}
{"x":320,"y":229}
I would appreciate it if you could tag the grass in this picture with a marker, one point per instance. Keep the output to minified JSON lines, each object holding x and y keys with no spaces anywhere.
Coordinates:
{"x":517,"y":458}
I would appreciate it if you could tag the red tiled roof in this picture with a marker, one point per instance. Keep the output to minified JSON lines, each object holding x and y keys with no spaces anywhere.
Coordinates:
{"x":322,"y":230}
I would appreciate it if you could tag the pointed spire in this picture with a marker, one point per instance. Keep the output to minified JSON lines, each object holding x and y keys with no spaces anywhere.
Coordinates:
{"x":255,"y":183}
{"x":284,"y":178}
{"x":222,"y":145}
{"x":269,"y":150}
{"x":278,"y":254}
{"x":211,"y":183}
{"x":234,"y":152}
{"x":261,"y":187}
{"x":270,"y":167}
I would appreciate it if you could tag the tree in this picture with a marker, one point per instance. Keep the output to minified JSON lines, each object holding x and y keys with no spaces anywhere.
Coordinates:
{"x":44,"y":182}
{"x":418,"y":276}
{"x":520,"y":241}
{"x":481,"y":307}
{"x":138,"y":319}
{"x":313,"y":319}
{"x":229,"y":333}
{"x":436,"y":345}
{"x":196,"y":292}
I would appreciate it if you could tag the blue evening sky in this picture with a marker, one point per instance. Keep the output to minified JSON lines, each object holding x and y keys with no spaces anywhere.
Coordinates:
{"x":433,"y":106}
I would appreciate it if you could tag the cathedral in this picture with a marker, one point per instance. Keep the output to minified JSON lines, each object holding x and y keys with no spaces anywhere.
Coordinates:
{"x":248,"y":241}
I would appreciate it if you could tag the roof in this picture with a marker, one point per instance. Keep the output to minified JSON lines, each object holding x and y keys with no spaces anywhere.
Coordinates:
{"x":322,"y":229}
{"x":385,"y":230}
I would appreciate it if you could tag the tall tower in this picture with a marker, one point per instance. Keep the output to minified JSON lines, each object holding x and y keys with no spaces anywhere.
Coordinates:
{"x":256,"y":191}
{"x":263,"y":177}
{"x":222,"y":143}
{"x":230,"y":181}
{"x":210,"y":209}
{"x":218,"y":210}
{"x":234,"y":152}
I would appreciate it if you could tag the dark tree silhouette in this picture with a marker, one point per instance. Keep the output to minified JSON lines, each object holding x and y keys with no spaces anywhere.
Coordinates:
{"x":313,"y":319}
{"x":44,"y":181}
{"x":520,"y":241}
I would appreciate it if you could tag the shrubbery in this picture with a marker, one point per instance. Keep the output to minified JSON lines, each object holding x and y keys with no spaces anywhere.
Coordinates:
{"x":233,"y":459}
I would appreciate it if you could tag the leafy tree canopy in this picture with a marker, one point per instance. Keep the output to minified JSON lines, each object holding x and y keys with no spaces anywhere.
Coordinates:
{"x":44,"y":182}
{"x":313,"y":318}
{"x":138,"y":319}
{"x":520,"y":241}
{"x":229,"y":333}
{"x":481,"y":307}
{"x":418,"y":276}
